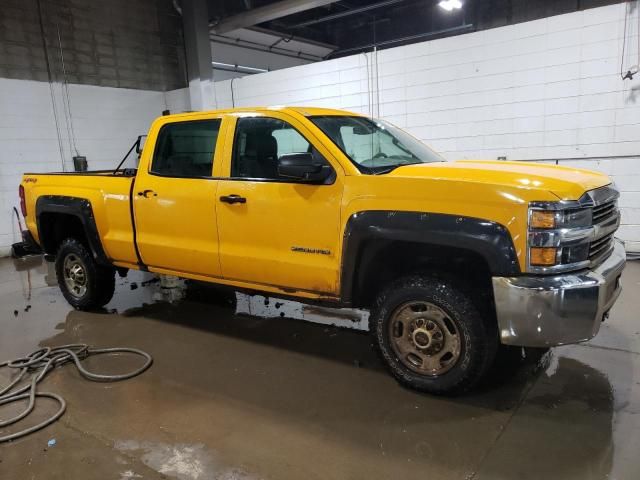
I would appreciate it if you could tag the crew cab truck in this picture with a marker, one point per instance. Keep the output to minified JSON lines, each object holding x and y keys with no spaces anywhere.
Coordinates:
{"x":453,"y":259}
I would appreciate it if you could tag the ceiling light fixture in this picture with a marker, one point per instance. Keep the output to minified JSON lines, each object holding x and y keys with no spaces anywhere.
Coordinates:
{"x":450,"y":5}
{"x":237,"y":68}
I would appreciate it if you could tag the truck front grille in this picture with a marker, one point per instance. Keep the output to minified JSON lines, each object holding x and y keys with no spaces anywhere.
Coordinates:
{"x":600,"y":248}
{"x":605,"y":216}
{"x":602,"y":213}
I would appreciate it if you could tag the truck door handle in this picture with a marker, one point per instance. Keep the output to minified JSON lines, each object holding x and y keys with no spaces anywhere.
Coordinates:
{"x":233,"y":199}
{"x":146,"y":193}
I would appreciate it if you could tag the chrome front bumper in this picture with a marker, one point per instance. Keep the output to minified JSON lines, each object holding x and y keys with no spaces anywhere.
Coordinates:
{"x":543,"y":311}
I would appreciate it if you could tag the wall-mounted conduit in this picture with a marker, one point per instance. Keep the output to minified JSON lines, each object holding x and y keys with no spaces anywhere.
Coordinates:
{"x":51,"y":91}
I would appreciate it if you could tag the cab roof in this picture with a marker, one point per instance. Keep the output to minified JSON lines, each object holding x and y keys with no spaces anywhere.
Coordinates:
{"x":305,"y":111}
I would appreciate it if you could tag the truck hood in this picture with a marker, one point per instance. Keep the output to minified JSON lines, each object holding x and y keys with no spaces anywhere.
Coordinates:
{"x":564,"y":182}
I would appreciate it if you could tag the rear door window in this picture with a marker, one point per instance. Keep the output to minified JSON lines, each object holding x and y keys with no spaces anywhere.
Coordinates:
{"x":186,"y":149}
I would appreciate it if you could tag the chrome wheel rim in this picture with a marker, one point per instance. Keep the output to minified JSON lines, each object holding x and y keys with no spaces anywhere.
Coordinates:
{"x":424,"y":338}
{"x":75,"y":275}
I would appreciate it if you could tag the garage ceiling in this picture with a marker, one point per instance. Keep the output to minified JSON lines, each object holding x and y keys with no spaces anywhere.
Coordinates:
{"x":350,"y":26}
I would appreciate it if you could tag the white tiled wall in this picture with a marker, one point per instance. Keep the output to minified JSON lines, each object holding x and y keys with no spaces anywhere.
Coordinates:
{"x":547,"y":89}
{"x":106,"y":123}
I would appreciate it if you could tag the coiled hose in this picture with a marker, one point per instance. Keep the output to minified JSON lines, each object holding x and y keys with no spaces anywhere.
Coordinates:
{"x":41,"y":362}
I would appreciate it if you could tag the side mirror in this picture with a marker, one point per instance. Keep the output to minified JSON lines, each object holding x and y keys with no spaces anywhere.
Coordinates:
{"x":140,"y":144}
{"x":303,"y":167}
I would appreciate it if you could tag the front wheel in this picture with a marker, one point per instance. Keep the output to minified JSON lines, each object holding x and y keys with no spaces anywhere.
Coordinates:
{"x":431,"y":335}
{"x":83,"y":282}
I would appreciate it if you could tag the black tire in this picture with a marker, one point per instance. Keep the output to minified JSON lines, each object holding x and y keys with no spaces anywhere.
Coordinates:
{"x":99,"y":281}
{"x":476,"y":337}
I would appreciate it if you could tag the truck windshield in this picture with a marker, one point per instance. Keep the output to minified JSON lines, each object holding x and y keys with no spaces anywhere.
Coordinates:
{"x":374,"y":146}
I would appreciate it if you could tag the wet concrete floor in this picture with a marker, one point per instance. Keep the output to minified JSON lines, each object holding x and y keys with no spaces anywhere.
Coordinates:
{"x":240,"y":397}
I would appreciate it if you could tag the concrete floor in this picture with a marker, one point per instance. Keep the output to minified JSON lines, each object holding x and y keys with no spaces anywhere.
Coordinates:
{"x":240,"y":397}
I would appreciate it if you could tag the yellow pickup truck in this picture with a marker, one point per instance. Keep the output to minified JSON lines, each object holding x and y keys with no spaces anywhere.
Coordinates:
{"x":452,"y":258}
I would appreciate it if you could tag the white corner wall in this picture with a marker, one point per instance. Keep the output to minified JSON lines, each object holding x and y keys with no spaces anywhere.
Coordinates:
{"x":542,"y":90}
{"x":106,"y":123}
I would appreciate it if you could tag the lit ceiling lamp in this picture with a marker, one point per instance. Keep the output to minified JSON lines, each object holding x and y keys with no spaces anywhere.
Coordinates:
{"x":236,"y":68}
{"x":450,"y":5}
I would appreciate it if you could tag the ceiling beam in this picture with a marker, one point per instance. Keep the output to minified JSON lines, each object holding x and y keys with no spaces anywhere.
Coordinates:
{"x":290,"y":37}
{"x":265,"y":14}
{"x":249,"y":45}
{"x":353,"y":11}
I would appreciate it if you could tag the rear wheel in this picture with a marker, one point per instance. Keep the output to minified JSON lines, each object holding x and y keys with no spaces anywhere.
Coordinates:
{"x":431,"y":335}
{"x":83,"y":282}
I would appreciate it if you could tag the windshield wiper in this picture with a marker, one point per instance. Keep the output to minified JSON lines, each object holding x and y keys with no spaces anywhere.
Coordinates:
{"x":397,"y":143}
{"x":393,"y":167}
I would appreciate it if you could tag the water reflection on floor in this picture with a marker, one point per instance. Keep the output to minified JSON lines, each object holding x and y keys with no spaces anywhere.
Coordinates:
{"x":238,"y":396}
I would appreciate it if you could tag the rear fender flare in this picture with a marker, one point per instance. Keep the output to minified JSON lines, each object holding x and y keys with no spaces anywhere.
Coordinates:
{"x":79,"y":208}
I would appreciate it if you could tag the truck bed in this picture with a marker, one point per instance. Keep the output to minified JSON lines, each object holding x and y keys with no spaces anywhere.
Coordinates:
{"x":109,"y":195}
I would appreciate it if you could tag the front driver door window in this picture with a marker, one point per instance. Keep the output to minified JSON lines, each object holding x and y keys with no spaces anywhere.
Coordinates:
{"x":260,"y":142}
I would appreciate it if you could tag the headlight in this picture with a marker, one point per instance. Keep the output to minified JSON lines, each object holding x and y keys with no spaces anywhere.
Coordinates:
{"x":559,"y":234}
{"x":542,"y":219}
{"x":571,"y":235}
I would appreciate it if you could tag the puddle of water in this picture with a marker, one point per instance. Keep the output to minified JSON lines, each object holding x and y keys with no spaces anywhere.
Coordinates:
{"x":182,"y":461}
{"x":167,"y":288}
{"x":269,"y":307}
{"x":579,"y":405}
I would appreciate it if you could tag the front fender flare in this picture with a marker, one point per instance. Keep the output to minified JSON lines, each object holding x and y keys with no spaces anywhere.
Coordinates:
{"x":489,"y":239}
